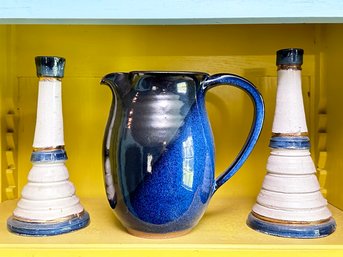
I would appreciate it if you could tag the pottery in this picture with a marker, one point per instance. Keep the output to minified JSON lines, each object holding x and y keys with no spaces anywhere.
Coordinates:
{"x":158,"y":149}
{"x":48,"y":205}
{"x":290,"y":203}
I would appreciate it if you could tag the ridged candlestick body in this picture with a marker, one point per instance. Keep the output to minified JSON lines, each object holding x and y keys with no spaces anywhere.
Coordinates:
{"x":48,"y":205}
{"x":290,"y":203}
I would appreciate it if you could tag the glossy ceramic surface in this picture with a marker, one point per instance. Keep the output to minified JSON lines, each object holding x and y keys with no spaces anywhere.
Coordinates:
{"x":159,"y":150}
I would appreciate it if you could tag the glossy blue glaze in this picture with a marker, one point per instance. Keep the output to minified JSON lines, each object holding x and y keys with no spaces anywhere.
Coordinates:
{"x":26,"y":228}
{"x":49,"y":156}
{"x":159,"y":149}
{"x":290,"y":142}
{"x":249,"y":88}
{"x":292,"y":231}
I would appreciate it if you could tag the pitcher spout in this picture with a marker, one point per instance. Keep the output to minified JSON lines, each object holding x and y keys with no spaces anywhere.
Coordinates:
{"x":118,"y":82}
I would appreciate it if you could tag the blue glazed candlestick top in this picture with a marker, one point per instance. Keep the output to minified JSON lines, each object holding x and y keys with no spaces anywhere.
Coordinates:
{"x":50,"y":66}
{"x":290,"y":56}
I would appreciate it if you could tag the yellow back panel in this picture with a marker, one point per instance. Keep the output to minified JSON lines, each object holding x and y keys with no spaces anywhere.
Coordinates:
{"x":93,"y":51}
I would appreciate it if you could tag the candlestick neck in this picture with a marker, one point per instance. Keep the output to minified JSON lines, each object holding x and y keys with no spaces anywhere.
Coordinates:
{"x":49,"y":122}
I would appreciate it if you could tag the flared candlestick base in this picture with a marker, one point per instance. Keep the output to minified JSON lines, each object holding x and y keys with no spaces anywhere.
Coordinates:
{"x":291,"y":229}
{"x":290,"y":203}
{"x":51,"y":228}
{"x":48,"y":205}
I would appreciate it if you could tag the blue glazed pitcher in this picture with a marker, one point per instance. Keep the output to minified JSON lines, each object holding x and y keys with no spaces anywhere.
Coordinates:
{"x":158,"y":149}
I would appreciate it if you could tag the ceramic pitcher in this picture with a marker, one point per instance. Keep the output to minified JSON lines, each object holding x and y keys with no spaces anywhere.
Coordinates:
{"x":158,"y":149}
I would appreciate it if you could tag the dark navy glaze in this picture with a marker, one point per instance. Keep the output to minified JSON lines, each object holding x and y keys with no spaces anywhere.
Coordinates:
{"x":50,"y":66}
{"x":159,"y":149}
{"x":290,"y":56}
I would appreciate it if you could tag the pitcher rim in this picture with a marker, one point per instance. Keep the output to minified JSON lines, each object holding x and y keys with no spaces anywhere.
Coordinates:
{"x":174,"y":72}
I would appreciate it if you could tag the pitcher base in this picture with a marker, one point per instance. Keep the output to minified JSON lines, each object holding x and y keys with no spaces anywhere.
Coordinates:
{"x":157,"y":235}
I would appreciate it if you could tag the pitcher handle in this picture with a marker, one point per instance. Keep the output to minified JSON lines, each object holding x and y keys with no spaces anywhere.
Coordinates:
{"x":250,"y":89}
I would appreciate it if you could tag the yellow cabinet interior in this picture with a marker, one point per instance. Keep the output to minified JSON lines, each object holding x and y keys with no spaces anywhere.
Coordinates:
{"x":92,"y":51}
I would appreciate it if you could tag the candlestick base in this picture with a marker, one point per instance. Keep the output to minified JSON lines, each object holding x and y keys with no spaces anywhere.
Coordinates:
{"x":290,"y":229}
{"x":49,"y":227}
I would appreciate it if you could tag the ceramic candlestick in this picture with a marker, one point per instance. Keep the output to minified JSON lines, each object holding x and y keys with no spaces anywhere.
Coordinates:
{"x":48,"y":205}
{"x":290,"y":203}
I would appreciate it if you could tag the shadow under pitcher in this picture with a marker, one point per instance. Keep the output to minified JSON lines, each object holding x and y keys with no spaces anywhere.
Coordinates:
{"x":158,"y":149}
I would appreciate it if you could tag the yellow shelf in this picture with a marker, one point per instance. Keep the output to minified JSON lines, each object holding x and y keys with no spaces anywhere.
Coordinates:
{"x":93,"y":51}
{"x":221,"y":231}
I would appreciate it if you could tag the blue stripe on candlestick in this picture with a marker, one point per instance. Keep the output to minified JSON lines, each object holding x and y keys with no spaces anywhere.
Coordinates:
{"x":290,"y":142}
{"x":49,"y":156}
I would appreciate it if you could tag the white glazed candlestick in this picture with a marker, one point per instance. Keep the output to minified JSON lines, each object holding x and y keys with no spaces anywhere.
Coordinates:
{"x":290,"y":203}
{"x":49,"y":122}
{"x":48,"y":205}
{"x":289,"y":116}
